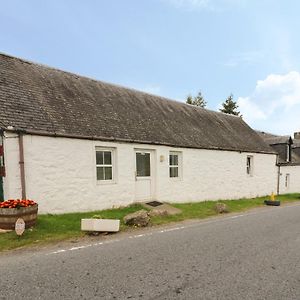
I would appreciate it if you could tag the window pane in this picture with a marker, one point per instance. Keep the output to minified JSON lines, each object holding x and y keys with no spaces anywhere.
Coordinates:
{"x":99,"y":157}
{"x":100,"y":173}
{"x":249,"y":165}
{"x":108,"y":173}
{"x":107,"y":158}
{"x":173,"y":171}
{"x":248,"y":161}
{"x":173,"y":161}
{"x":142,"y":164}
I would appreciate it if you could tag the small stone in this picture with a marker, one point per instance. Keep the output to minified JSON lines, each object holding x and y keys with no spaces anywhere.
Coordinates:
{"x":93,"y":233}
{"x":221,"y":208}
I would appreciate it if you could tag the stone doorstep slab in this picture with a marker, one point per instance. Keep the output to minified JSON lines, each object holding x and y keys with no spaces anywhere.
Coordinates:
{"x":170,"y":210}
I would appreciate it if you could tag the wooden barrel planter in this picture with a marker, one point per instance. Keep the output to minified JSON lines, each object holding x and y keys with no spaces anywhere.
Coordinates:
{"x":9,"y":216}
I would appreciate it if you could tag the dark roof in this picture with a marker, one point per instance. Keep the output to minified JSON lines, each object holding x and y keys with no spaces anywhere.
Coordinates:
{"x":279,"y":144}
{"x":43,"y":100}
{"x":296,"y":143}
{"x":281,"y":149}
{"x":296,"y":151}
{"x":273,"y":139}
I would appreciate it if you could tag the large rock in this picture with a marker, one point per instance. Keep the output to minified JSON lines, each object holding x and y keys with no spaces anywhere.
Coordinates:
{"x":221,"y":208}
{"x":160,"y":212}
{"x":163,"y":210}
{"x":139,"y":218}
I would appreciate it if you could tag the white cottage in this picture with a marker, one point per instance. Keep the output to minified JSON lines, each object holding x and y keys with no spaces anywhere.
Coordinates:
{"x":288,"y":161}
{"x":76,"y":144}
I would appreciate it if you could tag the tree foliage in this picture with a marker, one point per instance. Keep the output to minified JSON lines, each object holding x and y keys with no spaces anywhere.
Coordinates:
{"x":229,"y":106}
{"x":197,"y":100}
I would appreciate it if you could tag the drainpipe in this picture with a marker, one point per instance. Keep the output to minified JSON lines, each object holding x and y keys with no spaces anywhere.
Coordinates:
{"x":22,"y":168}
{"x":2,"y":168}
{"x":278,"y":180}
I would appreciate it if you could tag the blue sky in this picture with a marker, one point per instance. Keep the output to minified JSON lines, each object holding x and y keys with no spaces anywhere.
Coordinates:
{"x":172,"y":48}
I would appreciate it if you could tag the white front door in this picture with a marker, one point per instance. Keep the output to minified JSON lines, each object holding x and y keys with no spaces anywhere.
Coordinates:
{"x":144,"y":184}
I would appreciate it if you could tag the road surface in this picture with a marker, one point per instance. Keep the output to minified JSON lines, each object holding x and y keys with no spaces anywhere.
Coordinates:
{"x":254,"y":255}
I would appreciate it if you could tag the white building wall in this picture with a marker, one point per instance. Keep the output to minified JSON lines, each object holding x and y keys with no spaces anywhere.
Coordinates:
{"x":293,"y":183}
{"x":61,"y":174}
{"x":214,"y":175}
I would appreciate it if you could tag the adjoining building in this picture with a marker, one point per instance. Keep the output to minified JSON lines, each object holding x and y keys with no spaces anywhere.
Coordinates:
{"x":75,"y":144}
{"x":288,"y":162}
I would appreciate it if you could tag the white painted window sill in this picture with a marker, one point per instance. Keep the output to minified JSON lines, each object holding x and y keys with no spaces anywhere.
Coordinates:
{"x":175,"y":179}
{"x":105,"y":182}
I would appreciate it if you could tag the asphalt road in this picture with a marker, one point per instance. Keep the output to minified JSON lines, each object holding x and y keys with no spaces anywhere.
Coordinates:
{"x":255,"y":255}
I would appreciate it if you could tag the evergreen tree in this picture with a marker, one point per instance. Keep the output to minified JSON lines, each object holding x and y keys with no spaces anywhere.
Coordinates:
{"x":197,"y":100}
{"x":189,"y":100}
{"x":230,"y":106}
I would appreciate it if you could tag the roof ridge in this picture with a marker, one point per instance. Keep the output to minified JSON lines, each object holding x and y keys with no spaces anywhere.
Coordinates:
{"x":59,"y":102}
{"x":274,"y":135}
{"x":112,"y":84}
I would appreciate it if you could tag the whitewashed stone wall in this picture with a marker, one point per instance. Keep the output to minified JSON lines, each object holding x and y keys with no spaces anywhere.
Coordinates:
{"x":61,"y":174}
{"x":293,"y":186}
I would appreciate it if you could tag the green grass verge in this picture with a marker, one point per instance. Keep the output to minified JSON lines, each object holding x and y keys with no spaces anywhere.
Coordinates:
{"x":201,"y":210}
{"x":54,"y":228}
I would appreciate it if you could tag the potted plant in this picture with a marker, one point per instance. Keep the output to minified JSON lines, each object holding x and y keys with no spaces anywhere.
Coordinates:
{"x":12,"y":209}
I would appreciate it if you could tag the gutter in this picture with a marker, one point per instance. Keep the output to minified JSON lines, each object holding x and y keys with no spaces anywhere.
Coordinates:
{"x":112,"y":139}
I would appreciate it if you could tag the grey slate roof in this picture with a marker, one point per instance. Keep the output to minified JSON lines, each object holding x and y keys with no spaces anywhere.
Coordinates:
{"x":296,"y":143}
{"x":296,"y":150}
{"x":273,"y":139}
{"x":279,"y":144}
{"x":44,"y":100}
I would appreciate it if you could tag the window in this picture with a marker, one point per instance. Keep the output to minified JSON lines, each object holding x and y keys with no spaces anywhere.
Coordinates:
{"x":104,"y":164}
{"x":250,"y":165}
{"x":287,"y":181}
{"x":143,"y":168}
{"x":174,"y":160}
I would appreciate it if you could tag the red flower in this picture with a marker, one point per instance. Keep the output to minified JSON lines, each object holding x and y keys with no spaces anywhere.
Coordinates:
{"x":11,"y":203}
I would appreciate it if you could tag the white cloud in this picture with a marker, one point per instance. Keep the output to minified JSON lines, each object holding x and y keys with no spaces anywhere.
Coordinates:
{"x":274,"y":104}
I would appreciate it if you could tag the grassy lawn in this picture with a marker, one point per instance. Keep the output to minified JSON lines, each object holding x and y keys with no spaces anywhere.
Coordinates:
{"x":54,"y":228}
{"x":201,"y":210}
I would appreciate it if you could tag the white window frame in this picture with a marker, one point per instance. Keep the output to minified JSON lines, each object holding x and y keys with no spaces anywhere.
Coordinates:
{"x":178,"y":166}
{"x":249,"y":168}
{"x":287,"y":180}
{"x":112,"y":165}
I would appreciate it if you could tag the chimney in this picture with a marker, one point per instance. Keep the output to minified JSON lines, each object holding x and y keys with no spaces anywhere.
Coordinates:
{"x":297,"y":135}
